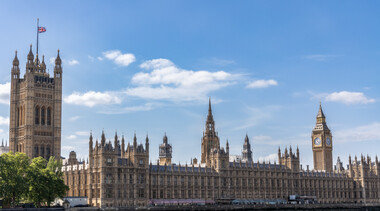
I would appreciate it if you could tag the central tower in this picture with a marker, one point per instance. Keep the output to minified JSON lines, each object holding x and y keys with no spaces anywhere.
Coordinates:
{"x":322,"y":143}
{"x":210,"y":138}
{"x":35,"y":108}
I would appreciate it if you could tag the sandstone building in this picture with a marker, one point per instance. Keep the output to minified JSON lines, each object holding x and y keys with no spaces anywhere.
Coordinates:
{"x":119,"y":174}
{"x":35,"y":108}
{"x":115,"y":176}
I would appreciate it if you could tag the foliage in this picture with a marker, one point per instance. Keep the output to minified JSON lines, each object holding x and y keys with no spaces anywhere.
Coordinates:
{"x":13,"y":177}
{"x":37,"y":180}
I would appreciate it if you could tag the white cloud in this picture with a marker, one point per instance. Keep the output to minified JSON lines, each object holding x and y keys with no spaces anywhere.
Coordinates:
{"x":169,"y":82}
{"x":272,"y":158}
{"x":129,"y":109}
{"x":74,"y":118}
{"x":52,"y":60}
{"x":92,"y":98}
{"x":119,"y":58}
{"x":257,"y":116}
{"x":72,"y":62}
{"x":82,"y":133}
{"x":4,"y":120}
{"x":100,"y":58}
{"x":320,"y":57}
{"x":261,"y":138}
{"x":219,"y":62}
{"x":370,"y":132}
{"x":5,"y":90}
{"x":349,"y":98}
{"x":91,"y":58}
{"x":262,"y":84}
{"x":68,"y":148}
{"x":71,"y":137}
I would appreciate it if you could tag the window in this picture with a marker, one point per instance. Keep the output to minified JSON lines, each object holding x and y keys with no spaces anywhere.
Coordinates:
{"x":141,"y":179}
{"x":37,"y":115}
{"x":109,"y":161}
{"x":42,"y":116}
{"x":48,"y":121}
{"x":141,"y":193}
{"x":48,"y":151}
{"x":18,"y":116}
{"x":36,"y":151}
{"x":42,"y":152}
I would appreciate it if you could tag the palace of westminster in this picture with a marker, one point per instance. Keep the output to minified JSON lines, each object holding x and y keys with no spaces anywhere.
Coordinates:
{"x":119,"y":174}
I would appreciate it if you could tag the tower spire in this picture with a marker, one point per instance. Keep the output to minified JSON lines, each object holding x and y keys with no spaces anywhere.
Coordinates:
{"x":15,"y":68}
{"x":320,"y":111}
{"x":209,"y":105}
{"x":210,"y":118}
{"x":15,"y":60}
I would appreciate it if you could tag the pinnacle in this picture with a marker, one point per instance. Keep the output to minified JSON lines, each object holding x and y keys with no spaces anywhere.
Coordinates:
{"x":320,"y":111}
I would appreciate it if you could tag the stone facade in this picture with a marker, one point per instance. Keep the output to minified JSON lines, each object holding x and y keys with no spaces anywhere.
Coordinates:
{"x":35,"y":108}
{"x":115,"y":176}
{"x":322,"y":144}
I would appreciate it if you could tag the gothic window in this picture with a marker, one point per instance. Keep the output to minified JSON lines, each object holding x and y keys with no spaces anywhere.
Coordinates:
{"x":23,"y":116}
{"x":48,"y":121}
{"x":18,"y":117}
{"x":141,"y":193}
{"x":43,"y":116}
{"x":48,"y":152}
{"x":36,"y":150}
{"x":141,"y":179}
{"x":37,"y":115}
{"x":42,"y":151}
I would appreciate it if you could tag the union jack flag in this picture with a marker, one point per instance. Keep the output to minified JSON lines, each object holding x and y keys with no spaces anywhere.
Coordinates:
{"x":41,"y":29}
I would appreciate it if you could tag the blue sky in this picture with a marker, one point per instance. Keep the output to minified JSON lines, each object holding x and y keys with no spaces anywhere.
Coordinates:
{"x":150,"y":66}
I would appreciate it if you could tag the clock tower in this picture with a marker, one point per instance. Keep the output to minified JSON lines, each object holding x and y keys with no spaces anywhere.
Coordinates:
{"x":322,"y":144}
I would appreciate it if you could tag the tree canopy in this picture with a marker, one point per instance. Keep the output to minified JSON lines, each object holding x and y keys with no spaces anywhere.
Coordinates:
{"x":30,"y":180}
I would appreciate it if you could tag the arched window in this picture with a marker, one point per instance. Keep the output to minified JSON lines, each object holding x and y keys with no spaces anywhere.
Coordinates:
{"x":21,"y":114}
{"x":43,"y":116}
{"x":37,"y":115}
{"x":18,"y":116}
{"x":36,"y":151}
{"x":48,"y":121}
{"x":48,"y":152}
{"x":42,"y":152}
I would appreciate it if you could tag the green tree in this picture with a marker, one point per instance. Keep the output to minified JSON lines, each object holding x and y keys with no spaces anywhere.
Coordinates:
{"x":13,"y":178}
{"x":45,"y":181}
{"x":56,"y":185}
{"x":37,"y":181}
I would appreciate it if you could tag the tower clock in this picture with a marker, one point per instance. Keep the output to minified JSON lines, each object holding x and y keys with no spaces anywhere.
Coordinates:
{"x":322,"y":143}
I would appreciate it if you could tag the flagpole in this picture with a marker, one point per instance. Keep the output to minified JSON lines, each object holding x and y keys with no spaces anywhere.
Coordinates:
{"x":37,"y":33}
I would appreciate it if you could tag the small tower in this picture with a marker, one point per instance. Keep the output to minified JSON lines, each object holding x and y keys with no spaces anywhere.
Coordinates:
{"x":103,"y":139}
{"x":165,"y":152}
{"x":210,"y":138}
{"x":122,"y":146}
{"x":90,"y":149}
{"x":147,"y":144}
{"x":35,"y":109}
{"x":15,"y":68}
{"x":247,"y":152}
{"x":322,"y":143}
{"x":290,"y":160}
{"x":339,"y":165}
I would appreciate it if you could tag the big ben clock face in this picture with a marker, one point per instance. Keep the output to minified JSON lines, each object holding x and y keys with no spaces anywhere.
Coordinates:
{"x":317,"y":141}
{"x":328,"y":142}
